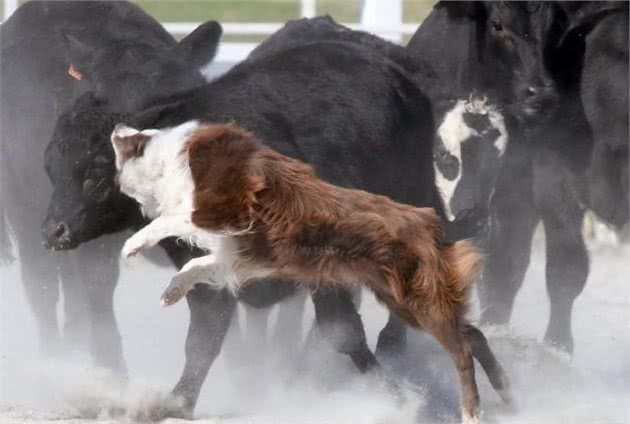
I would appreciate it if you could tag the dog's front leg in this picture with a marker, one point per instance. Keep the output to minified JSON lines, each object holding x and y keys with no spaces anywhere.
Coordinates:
{"x":160,"y":228}
{"x":204,"y":269}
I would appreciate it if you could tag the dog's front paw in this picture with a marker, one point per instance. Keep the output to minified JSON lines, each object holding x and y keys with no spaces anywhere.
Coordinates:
{"x":176,"y":290}
{"x":132,"y":247}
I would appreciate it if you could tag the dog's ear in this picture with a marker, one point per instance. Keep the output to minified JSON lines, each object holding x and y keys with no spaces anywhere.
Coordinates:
{"x":129,"y":143}
{"x":227,"y":175}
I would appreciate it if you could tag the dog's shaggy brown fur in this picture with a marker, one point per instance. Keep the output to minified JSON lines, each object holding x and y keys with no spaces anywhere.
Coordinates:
{"x":260,"y":213}
{"x":307,"y":230}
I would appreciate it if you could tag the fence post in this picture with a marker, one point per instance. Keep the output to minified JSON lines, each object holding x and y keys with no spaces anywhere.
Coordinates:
{"x":383,"y":13}
{"x":307,"y":8}
{"x":9,"y":8}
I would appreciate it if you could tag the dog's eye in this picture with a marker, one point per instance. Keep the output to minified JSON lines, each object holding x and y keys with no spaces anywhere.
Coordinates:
{"x":497,"y":26}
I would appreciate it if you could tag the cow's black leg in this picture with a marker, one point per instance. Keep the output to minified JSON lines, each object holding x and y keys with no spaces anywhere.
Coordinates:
{"x":513,"y":221}
{"x":210,"y":316}
{"x":41,"y":287}
{"x":288,"y":329}
{"x":341,"y":324}
{"x":392,"y":340}
{"x":566,"y":254}
{"x":76,"y":311}
{"x":99,"y":268}
{"x":256,"y":327}
{"x":566,"y":268}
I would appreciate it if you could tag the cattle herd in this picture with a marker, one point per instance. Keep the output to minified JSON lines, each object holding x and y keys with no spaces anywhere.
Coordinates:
{"x":497,"y":115}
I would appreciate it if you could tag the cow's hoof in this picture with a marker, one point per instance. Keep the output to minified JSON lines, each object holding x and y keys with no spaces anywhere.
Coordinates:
{"x":159,"y":407}
{"x":559,"y":341}
{"x":180,"y":413}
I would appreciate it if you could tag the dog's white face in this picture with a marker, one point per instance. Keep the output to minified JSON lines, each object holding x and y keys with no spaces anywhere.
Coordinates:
{"x":129,"y":143}
{"x":145,"y":157}
{"x":135,"y":175}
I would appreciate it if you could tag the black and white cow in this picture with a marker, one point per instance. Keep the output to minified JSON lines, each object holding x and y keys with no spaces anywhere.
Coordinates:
{"x":52,"y":51}
{"x":493,"y":49}
{"x":379,"y":139}
{"x":576,"y":160}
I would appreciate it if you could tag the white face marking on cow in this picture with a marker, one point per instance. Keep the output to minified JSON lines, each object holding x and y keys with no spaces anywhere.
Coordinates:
{"x":453,"y":132}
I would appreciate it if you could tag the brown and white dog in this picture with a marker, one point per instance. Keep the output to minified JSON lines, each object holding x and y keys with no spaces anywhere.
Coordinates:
{"x":259,"y":213}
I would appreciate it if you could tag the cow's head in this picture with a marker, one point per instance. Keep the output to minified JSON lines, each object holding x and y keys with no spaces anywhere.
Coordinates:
{"x":506,"y":46}
{"x":80,"y":163}
{"x":124,"y":71}
{"x":470,"y":142}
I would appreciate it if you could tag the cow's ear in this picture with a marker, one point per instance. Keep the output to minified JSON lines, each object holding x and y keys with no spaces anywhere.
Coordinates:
{"x":80,"y":54}
{"x":200,"y":46}
{"x":463,"y":9}
{"x":149,"y":118}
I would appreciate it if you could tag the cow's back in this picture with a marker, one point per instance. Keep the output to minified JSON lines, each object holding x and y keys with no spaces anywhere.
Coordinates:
{"x":35,"y":85}
{"x":350,"y":112}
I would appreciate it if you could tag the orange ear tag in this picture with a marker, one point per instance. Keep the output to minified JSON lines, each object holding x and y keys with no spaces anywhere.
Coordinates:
{"x":74,"y":73}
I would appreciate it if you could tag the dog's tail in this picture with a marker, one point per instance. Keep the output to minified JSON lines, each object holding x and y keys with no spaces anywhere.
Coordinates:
{"x":465,"y":261}
{"x":460,"y":267}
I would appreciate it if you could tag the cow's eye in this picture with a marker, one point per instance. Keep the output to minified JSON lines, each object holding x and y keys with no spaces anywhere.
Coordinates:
{"x":89,"y":186}
{"x":441,"y":155}
{"x":496,"y":25}
{"x":102,"y":160}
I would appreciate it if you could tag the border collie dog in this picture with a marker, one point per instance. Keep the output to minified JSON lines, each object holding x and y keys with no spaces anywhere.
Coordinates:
{"x":258,"y":213}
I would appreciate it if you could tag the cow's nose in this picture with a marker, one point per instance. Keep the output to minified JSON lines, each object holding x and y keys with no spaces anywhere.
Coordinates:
{"x":56,"y":235}
{"x":538,"y":99}
{"x":59,"y":230}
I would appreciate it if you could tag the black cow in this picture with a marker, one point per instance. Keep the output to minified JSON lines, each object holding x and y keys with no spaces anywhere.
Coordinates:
{"x":492,"y":47}
{"x":51,"y":52}
{"x":376,"y":133}
{"x":577,"y":160}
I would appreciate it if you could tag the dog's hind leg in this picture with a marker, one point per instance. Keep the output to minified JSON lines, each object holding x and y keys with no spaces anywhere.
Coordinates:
{"x":481,"y":351}
{"x":448,"y":334}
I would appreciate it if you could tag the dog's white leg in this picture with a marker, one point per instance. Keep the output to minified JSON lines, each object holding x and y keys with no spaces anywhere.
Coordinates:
{"x":197,"y":270}
{"x":160,"y":228}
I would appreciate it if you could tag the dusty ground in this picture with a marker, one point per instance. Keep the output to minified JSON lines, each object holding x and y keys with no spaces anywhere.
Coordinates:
{"x":592,"y":388}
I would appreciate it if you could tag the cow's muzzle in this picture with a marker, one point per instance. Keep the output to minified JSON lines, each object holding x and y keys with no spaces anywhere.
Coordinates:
{"x":57,"y":235}
{"x":538,"y":102}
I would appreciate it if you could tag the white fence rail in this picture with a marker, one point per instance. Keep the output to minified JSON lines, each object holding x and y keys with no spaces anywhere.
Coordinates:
{"x":233,"y":51}
{"x":381,"y":17}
